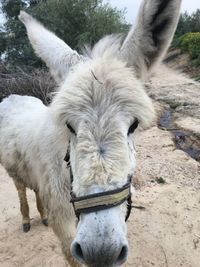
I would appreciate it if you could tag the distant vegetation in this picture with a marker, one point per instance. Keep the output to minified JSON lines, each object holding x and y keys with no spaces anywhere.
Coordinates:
{"x":190,"y":43}
{"x":75,"y":21}
{"x":36,"y":83}
{"x":187,"y":36}
{"x":188,"y":23}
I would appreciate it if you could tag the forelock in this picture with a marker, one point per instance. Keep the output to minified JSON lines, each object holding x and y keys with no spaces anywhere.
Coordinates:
{"x":103,"y":82}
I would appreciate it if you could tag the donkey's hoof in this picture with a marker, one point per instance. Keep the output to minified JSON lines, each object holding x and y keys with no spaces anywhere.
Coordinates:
{"x":26,"y":227}
{"x":45,"y":222}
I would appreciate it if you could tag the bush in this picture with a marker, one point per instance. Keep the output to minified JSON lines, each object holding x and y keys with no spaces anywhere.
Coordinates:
{"x":190,"y":43}
{"x":37,"y":83}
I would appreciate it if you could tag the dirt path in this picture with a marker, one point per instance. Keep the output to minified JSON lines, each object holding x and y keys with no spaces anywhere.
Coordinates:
{"x":165,"y":234}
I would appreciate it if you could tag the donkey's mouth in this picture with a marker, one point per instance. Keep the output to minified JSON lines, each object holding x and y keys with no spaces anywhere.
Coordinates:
{"x":105,"y":257}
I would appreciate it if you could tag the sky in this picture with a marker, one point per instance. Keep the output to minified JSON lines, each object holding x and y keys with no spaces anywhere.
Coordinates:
{"x":133,"y":5}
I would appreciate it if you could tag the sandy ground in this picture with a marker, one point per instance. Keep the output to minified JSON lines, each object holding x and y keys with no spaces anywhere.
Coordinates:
{"x":165,"y":234}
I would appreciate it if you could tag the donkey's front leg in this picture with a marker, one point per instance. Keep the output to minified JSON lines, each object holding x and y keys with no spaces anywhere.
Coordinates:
{"x":41,"y":209}
{"x":21,"y":189}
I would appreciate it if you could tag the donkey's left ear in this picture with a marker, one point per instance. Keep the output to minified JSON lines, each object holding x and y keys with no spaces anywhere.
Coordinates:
{"x":147,"y":43}
{"x":58,"y":56}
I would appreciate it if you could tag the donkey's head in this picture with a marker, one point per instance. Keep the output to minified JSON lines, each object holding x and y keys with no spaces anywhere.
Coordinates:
{"x":101,"y":100}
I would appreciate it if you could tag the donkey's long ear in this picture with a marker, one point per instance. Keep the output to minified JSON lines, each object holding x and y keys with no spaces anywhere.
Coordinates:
{"x":147,"y":43}
{"x":58,"y":56}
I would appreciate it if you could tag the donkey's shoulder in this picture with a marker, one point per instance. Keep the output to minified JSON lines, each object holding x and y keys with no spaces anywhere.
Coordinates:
{"x":15,"y":109}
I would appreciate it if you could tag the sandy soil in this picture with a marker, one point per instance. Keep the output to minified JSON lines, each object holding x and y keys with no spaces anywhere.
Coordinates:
{"x":165,"y":234}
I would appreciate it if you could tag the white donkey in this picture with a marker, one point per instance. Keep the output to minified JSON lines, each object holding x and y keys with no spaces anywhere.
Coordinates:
{"x":100,"y":101}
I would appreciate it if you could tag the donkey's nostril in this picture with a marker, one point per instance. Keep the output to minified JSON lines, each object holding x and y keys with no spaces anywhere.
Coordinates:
{"x":99,"y":256}
{"x":77,"y":252}
{"x":122,"y":255}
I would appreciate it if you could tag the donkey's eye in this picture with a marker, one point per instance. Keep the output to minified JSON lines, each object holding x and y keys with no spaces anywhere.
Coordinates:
{"x":133,"y":127}
{"x":71,"y":129}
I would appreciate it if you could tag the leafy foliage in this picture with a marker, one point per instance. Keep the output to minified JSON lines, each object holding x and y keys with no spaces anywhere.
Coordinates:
{"x":75,"y":21}
{"x":188,"y":23}
{"x":187,"y":36}
{"x":14,"y":43}
{"x":190,"y":43}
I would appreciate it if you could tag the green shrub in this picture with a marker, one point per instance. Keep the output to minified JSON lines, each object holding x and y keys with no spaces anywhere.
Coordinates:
{"x":190,"y":43}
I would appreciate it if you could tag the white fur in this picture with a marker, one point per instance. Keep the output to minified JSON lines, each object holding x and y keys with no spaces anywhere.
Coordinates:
{"x":100,"y":96}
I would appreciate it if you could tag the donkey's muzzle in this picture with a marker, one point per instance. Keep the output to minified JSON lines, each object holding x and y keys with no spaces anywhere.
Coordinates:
{"x":106,"y":256}
{"x":101,"y":238}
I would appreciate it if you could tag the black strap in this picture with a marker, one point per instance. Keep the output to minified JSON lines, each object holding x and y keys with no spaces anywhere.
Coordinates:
{"x":129,"y":207}
{"x":100,"y":201}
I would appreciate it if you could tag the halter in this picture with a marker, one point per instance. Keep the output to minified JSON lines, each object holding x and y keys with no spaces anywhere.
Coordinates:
{"x":100,"y":201}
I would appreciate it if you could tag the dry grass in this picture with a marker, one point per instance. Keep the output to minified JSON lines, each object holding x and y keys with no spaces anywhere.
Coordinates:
{"x":36,"y":83}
